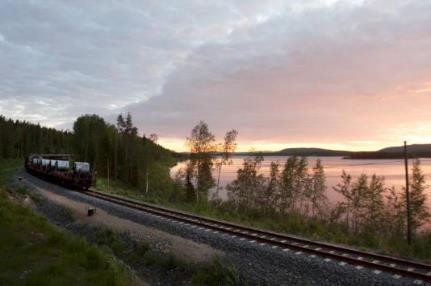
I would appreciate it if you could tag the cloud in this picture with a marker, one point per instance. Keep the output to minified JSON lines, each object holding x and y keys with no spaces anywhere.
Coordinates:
{"x":329,"y":75}
{"x":336,"y":73}
{"x":86,"y":57}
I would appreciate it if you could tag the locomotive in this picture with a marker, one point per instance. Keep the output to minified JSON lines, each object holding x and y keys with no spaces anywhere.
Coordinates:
{"x":61,"y":169}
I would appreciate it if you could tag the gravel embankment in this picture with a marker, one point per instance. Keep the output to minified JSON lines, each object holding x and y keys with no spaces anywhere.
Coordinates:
{"x":149,"y":274}
{"x":258,"y":264}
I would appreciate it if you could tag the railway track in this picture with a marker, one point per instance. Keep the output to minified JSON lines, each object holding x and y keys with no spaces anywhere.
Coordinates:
{"x":343,"y":255}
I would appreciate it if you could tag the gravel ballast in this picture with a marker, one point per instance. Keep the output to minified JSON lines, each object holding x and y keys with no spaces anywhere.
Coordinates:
{"x":258,"y":264}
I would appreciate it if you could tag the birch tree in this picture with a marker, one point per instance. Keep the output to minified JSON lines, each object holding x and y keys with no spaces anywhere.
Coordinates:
{"x":227,"y":149}
{"x":201,"y":143}
{"x":317,"y":189}
{"x":419,"y":210}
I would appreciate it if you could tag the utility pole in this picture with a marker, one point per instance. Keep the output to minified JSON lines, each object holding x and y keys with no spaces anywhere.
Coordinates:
{"x":116,"y":156}
{"x":146,"y":183}
{"x":406,"y":164}
{"x":107,"y":168}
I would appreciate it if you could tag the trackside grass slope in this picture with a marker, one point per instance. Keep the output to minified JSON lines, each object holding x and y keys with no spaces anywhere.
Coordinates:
{"x":297,"y":225}
{"x":34,"y":252}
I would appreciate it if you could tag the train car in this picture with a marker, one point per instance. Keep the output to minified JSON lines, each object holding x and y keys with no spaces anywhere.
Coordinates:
{"x":61,"y":169}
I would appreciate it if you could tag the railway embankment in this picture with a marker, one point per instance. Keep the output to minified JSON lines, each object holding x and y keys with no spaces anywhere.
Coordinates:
{"x":255,"y":263}
{"x":155,"y":256}
{"x":36,"y":252}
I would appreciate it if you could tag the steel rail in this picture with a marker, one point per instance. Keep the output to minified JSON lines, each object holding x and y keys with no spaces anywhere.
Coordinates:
{"x":380,"y":262}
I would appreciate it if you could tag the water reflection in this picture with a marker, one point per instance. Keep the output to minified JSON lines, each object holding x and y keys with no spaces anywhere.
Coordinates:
{"x":392,"y":170}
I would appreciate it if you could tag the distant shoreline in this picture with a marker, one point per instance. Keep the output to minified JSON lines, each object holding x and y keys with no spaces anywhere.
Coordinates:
{"x":414,"y":151}
{"x":352,"y":156}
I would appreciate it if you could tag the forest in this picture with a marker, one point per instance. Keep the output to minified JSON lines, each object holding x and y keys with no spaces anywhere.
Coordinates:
{"x":116,"y":151}
{"x":20,"y":138}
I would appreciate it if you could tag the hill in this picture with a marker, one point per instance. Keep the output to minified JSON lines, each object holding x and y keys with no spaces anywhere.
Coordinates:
{"x":312,"y":152}
{"x":415,"y":148}
{"x":396,"y":152}
{"x":297,"y":152}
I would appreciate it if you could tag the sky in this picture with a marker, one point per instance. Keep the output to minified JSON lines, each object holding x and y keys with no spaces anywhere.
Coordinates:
{"x":334,"y":74}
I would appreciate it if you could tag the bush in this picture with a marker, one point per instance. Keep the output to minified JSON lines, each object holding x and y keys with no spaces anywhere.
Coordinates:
{"x":217,"y":273}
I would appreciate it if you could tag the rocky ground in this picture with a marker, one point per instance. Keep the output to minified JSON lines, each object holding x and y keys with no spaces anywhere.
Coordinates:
{"x":256,"y":264}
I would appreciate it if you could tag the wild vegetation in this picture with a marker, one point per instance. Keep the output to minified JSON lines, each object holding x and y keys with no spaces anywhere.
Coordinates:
{"x":291,"y":199}
{"x":370,"y":214}
{"x":114,"y":151}
{"x":34,"y":252}
{"x":119,"y":153}
{"x":20,"y":138}
{"x":156,"y":266}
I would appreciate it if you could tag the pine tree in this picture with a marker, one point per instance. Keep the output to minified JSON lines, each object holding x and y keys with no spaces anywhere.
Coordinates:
{"x":121,"y":124}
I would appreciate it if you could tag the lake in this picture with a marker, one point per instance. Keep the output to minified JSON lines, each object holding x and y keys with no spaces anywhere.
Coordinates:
{"x":392,"y":170}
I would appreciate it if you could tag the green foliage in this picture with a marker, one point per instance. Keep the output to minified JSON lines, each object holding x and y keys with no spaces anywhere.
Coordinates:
{"x":92,"y":140}
{"x":363,"y":205}
{"x":114,"y":151}
{"x":119,"y":244}
{"x":7,"y":168}
{"x":36,"y":253}
{"x":136,"y":254}
{"x":244,"y":191}
{"x":217,"y":273}
{"x":293,"y":201}
{"x":291,"y":191}
{"x":119,"y":152}
{"x":419,"y":210}
{"x":316,"y":192}
{"x":165,"y":262}
{"x":201,"y":143}
{"x":19,"y":139}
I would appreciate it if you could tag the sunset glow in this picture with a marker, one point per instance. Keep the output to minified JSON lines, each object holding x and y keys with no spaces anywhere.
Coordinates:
{"x":350,"y":75}
{"x":226,"y":142}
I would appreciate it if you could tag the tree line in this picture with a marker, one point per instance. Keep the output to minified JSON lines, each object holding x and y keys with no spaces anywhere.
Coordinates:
{"x":20,"y":138}
{"x":117,"y":151}
{"x":367,"y":207}
{"x":295,"y":189}
{"x":286,"y":191}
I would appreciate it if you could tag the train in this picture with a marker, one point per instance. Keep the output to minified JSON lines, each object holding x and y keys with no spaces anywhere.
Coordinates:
{"x":61,"y":169}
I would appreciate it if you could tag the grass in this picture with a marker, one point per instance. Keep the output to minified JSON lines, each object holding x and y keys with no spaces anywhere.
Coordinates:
{"x":7,"y":168}
{"x":34,"y":252}
{"x":136,"y":254}
{"x":317,"y":230}
{"x":313,"y":229}
{"x":216,"y":273}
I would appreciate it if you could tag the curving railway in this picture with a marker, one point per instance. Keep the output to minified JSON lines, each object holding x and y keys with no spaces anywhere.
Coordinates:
{"x":343,"y":255}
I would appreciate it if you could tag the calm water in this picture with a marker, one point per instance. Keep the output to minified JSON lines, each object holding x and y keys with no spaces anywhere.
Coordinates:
{"x":391,"y":170}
